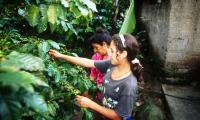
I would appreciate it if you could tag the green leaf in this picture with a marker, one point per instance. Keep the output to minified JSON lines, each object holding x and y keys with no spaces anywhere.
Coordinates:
{"x":75,"y":11}
{"x":90,"y":5}
{"x":22,"y":12}
{"x":42,"y":26}
{"x":87,"y":114}
{"x":88,"y":29}
{"x":149,"y":111}
{"x":48,"y":1}
{"x":52,"y":14}
{"x":52,"y":27}
{"x":53,"y":44}
{"x":35,"y":102}
{"x":27,"y":48}
{"x":52,"y":109}
{"x":43,"y":10}
{"x":53,"y":71}
{"x":23,"y":61}
{"x":82,"y":8}
{"x":65,"y":3}
{"x":43,"y":22}
{"x":129,"y":22}
{"x":61,"y":12}
{"x":9,"y":106}
{"x":43,"y":48}
{"x":20,"y":79}
{"x":33,"y":15}
{"x":64,"y":26}
{"x":71,"y":28}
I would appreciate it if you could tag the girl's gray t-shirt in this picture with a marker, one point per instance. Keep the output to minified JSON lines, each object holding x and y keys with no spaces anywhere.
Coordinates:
{"x":119,"y":95}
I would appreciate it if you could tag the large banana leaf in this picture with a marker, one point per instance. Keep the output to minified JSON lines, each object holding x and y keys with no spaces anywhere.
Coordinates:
{"x":128,"y":25}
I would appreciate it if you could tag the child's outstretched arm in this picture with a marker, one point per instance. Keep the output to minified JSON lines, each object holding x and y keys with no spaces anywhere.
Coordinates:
{"x":75,"y":60}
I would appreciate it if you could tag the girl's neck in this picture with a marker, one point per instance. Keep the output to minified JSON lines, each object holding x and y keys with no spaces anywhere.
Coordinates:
{"x":123,"y":67}
{"x":121,"y":71}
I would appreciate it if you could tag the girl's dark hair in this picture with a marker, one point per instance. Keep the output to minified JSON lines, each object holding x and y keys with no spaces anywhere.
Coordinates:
{"x":100,"y":36}
{"x":132,"y":47}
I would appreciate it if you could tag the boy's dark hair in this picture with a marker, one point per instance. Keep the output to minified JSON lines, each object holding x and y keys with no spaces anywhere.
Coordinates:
{"x":100,"y":36}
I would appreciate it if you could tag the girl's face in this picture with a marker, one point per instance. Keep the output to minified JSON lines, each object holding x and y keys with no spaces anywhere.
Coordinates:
{"x":101,"y":49}
{"x":115,"y":56}
{"x":113,"y":53}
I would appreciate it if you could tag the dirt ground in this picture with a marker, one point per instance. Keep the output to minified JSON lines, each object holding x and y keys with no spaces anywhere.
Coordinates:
{"x":150,"y":89}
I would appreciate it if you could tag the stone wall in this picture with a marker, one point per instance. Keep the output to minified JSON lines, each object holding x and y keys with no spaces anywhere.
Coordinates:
{"x":156,"y":19}
{"x":174,"y":29}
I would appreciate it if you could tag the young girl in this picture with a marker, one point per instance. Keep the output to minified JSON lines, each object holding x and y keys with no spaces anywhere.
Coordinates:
{"x":100,"y":42}
{"x":120,"y":81}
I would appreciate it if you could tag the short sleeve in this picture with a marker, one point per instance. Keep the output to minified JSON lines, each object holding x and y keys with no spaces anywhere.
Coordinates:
{"x":102,"y":65}
{"x":125,"y":106}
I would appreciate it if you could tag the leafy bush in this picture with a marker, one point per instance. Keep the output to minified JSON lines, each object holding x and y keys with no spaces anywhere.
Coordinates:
{"x":60,"y":15}
{"x":33,"y":86}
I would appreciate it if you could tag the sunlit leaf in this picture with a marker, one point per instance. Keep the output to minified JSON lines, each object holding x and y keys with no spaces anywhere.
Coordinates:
{"x":33,"y":15}
{"x":90,"y":5}
{"x":83,"y":9}
{"x":65,"y":3}
{"x":52,"y":14}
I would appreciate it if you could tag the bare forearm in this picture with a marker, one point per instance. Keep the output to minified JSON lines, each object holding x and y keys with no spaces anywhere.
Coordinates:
{"x":109,"y":113}
{"x":79,"y":61}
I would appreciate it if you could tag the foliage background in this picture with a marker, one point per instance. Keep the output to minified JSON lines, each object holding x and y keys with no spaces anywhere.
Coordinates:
{"x":32,"y":85}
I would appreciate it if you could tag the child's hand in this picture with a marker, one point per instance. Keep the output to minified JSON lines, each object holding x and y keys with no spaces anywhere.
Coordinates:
{"x":83,"y":101}
{"x":55,"y":54}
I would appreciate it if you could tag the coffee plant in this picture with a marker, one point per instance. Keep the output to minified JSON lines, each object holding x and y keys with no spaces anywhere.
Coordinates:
{"x":33,"y":85}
